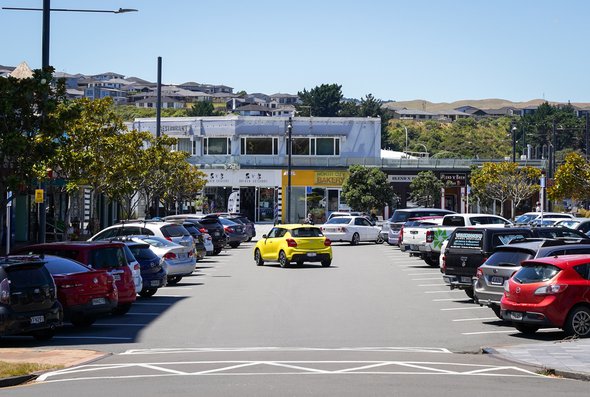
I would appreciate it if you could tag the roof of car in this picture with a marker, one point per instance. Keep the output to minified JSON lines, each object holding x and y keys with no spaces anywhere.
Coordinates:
{"x":66,"y":244}
{"x":296,"y":226}
{"x":562,"y":261}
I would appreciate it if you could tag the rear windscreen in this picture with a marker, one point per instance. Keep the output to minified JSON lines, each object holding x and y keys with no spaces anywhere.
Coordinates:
{"x":467,"y":240}
{"x":64,"y":266}
{"x":402,"y":216}
{"x":508,"y":258}
{"x":174,"y":231}
{"x":104,"y":258}
{"x":536,"y":273}
{"x":503,"y":239}
{"x":142,"y":253}
{"x":28,"y":276}
{"x":306,"y":232}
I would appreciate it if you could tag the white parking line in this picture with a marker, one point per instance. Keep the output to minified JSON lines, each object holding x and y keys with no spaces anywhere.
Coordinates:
{"x":452,"y":300}
{"x":476,"y":319}
{"x":440,"y":292}
{"x":489,"y":332}
{"x":462,"y":308}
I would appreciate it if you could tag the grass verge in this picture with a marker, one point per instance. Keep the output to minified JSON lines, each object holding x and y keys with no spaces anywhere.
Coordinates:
{"x":17,"y":369}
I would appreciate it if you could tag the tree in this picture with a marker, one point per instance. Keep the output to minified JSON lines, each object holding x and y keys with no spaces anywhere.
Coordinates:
{"x":370,"y":106}
{"x":201,"y":108}
{"x":367,"y":188}
{"x":522,"y":184}
{"x":572,"y":179}
{"x":321,"y":101}
{"x":426,"y":188}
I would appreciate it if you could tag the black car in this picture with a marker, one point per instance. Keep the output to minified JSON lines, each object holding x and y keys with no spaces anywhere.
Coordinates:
{"x":207,"y":224}
{"x":235,"y":231}
{"x":28,"y":299}
{"x":193,"y":229}
{"x":249,"y":226}
{"x":469,"y":248}
{"x":153,"y":274}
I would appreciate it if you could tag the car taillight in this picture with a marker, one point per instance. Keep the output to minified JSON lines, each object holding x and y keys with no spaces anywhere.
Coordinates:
{"x":444,"y":264}
{"x":429,"y":236}
{"x":190,"y":253}
{"x":203,"y":230}
{"x":170,"y":255}
{"x":479,"y":273}
{"x":550,"y":289}
{"x":343,"y":230}
{"x":291,"y":242}
{"x":229,"y":229}
{"x":168,"y":238}
{"x":5,"y":291}
{"x":327,"y":242}
{"x":401,"y":234}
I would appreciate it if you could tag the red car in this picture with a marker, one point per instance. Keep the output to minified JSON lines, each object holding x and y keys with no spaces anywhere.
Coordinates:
{"x":107,"y":255}
{"x":84,"y":293}
{"x":550,"y":292}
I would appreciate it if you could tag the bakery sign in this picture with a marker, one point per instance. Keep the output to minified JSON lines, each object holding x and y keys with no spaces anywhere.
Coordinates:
{"x":454,"y":179}
{"x":330,"y":178}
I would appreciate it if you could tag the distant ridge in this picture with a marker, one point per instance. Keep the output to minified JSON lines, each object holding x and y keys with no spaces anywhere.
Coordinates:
{"x":492,"y":103}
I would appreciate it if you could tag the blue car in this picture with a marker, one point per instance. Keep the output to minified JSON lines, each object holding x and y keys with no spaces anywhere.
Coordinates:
{"x":154,"y":275}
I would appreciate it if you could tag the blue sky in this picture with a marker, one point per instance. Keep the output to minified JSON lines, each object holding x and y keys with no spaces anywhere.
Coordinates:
{"x":437,"y":50}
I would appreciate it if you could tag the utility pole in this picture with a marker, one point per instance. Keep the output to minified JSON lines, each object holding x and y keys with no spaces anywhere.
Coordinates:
{"x":158,"y":125}
{"x":289,"y":150}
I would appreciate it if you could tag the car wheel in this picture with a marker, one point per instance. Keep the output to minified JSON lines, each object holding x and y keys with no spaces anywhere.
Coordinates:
{"x":497,"y":310}
{"x":44,"y":335}
{"x":121,"y":309}
{"x":173,"y":280}
{"x":283,"y":261}
{"x":147,"y":292}
{"x":431,"y":262}
{"x":578,"y":322}
{"x":249,"y":239}
{"x":216,"y":251}
{"x":526,"y":328}
{"x":234,"y":245}
{"x":82,"y":321}
{"x":469,"y":292}
{"x":327,"y":263}
{"x":379,"y":240}
{"x":355,"y":239}
{"x":258,"y":258}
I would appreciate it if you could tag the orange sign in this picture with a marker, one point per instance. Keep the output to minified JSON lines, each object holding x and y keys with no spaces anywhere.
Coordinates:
{"x":39,"y":196}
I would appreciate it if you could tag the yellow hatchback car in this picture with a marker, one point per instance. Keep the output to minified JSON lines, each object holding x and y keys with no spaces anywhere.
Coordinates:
{"x":293,"y":243}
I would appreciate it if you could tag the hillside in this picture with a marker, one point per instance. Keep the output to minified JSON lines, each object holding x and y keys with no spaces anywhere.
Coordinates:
{"x":492,"y":103}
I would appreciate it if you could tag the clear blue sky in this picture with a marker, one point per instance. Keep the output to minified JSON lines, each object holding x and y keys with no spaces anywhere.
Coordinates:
{"x":437,"y":50}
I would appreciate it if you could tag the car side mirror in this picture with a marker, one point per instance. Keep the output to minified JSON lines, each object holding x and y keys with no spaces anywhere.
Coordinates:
{"x":264,"y":236}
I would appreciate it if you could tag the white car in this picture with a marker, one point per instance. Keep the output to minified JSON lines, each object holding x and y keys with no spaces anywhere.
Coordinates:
{"x":170,"y":231}
{"x":178,"y":260}
{"x":351,"y":228}
{"x":208,"y":241}
{"x":135,"y":270}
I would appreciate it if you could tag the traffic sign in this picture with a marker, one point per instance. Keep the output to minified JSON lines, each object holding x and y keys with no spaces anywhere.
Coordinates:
{"x":39,"y":196}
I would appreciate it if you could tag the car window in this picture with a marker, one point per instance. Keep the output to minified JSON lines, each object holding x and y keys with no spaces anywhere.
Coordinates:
{"x":453,"y":221}
{"x":142,"y":252}
{"x":173,"y":231}
{"x":559,"y":252}
{"x":272,"y":233}
{"x":129,"y":255}
{"x":584,"y":227}
{"x":577,"y":251}
{"x":157,"y":241}
{"x":306,"y":232}
{"x":537,"y":272}
{"x":515,"y":258}
{"x":359,"y":222}
{"x":281,"y":232}
{"x":106,"y":234}
{"x":64,"y":266}
{"x":339,"y":221}
{"x":146,"y":232}
{"x":107,"y":257}
{"x":583,"y":271}
{"x":28,"y":276}
{"x":503,"y":239}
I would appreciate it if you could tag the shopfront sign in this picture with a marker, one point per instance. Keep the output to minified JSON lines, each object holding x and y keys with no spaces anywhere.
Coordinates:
{"x":454,"y":179}
{"x":243,"y":177}
{"x":401,"y":178}
{"x":330,"y":178}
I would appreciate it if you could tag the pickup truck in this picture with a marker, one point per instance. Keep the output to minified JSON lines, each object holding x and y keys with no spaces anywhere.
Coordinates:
{"x":413,"y":233}
{"x":430,"y":251}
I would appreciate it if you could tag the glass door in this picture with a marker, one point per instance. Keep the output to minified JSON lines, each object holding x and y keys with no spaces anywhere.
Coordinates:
{"x":266,"y":204}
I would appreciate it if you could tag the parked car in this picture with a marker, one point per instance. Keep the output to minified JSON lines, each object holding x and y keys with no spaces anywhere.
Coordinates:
{"x":249,"y":226}
{"x":528,"y":217}
{"x":353,"y":229}
{"x":580,"y":224}
{"x":170,"y":231}
{"x":153,"y":274}
{"x":293,"y":243}
{"x":336,"y":214}
{"x":550,"y":292}
{"x":468,"y":248}
{"x":545,"y":222}
{"x":412,"y":234}
{"x":235,"y":232}
{"x":208,"y":224}
{"x":488,"y":284}
{"x":84,"y":293}
{"x":28,"y":299}
{"x":392,"y":226}
{"x":135,"y":269}
{"x":98,"y":255}
{"x":198,"y":238}
{"x":178,"y":260}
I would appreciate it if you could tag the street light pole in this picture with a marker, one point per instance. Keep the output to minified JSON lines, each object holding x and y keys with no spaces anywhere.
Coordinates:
{"x":514,"y":129}
{"x":289,"y":166}
{"x":158,"y":125}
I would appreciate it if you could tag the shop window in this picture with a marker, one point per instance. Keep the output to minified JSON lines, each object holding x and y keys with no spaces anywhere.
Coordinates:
{"x":217,"y":146}
{"x":301,"y":146}
{"x":316,"y":147}
{"x":327,"y":146}
{"x":259,"y":146}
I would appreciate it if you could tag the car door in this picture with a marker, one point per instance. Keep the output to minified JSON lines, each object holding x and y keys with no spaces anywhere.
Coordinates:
{"x":360,"y":228}
{"x":370,"y":232}
{"x":268,"y":248}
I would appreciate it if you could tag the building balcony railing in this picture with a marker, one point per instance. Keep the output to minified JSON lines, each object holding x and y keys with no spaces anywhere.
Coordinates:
{"x":345,"y":162}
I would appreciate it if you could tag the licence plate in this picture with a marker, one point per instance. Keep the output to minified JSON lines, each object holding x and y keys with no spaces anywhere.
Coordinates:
{"x":466,"y":279}
{"x":311,"y":254}
{"x":216,"y":233}
{"x":516,"y":315}
{"x":155,"y":283}
{"x":37,"y":319}
{"x":117,"y":277}
{"x":497,"y":280}
{"x":98,"y":301}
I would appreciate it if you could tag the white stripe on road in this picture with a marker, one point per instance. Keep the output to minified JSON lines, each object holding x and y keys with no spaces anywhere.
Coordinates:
{"x":489,"y":332}
{"x":452,"y":300}
{"x":477,"y":319}
{"x":440,"y":292}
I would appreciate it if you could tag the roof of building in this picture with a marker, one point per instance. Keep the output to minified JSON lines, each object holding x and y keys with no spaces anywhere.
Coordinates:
{"x":253,"y":108}
{"x":22,"y":71}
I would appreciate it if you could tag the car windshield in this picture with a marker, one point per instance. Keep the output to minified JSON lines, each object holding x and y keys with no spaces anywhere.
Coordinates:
{"x":339,"y":221}
{"x":570,"y":224}
{"x":306,"y":232}
{"x":107,"y":257}
{"x":536,"y":272}
{"x":157,"y":241}
{"x":174,"y":231}
{"x":526,"y":218}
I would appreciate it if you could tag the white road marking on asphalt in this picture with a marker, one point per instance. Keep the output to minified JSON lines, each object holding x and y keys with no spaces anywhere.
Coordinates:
{"x":284,"y":349}
{"x":452,"y":300}
{"x":463,"y":308}
{"x":440,"y":292}
{"x":426,"y":368}
{"x":477,"y":319}
{"x":489,"y":332}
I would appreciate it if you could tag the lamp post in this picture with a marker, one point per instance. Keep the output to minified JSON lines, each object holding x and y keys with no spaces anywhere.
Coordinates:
{"x":45,"y":64}
{"x":514,"y":129}
{"x":289,"y":151}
